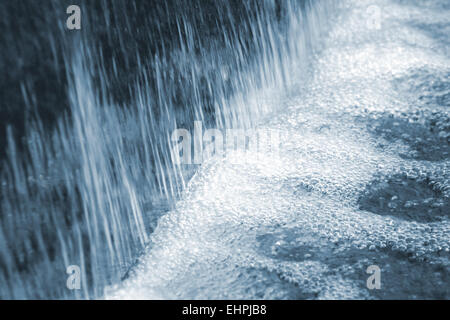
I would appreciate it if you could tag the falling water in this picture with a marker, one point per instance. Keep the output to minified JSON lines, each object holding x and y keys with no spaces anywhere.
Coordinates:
{"x":360,"y":183}
{"x":89,"y":176}
{"x":90,"y":190}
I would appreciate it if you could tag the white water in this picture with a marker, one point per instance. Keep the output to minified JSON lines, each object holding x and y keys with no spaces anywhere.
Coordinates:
{"x":89,"y":192}
{"x":290,"y":227}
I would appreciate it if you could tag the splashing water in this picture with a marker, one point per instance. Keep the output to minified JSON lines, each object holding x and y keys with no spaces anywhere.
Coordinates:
{"x":89,"y":194}
{"x":309,"y":223}
{"x":103,"y":188}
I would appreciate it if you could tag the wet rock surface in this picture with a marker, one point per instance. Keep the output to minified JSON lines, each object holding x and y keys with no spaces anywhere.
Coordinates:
{"x":426,"y":134}
{"x":405,"y":197}
{"x":404,"y":275}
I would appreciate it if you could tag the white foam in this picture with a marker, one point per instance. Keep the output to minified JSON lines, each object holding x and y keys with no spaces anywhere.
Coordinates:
{"x":210,"y":245}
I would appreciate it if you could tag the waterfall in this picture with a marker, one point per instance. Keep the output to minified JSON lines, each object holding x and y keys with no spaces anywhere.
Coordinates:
{"x":88,"y":190}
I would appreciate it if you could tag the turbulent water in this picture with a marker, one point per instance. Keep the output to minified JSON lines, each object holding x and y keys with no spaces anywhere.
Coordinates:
{"x":359,"y":92}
